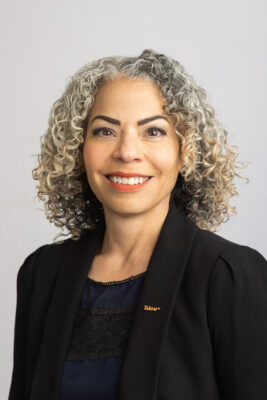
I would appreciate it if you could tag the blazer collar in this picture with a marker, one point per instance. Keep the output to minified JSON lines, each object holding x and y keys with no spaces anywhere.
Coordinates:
{"x":140,"y":368}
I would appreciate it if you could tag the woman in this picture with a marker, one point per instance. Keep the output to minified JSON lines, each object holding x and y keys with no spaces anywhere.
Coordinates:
{"x":145,"y":300}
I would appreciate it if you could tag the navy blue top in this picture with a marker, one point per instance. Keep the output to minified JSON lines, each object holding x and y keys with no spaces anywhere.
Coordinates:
{"x":99,"y":339}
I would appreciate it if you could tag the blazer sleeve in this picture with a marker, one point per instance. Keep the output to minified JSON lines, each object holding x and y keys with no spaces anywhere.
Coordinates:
{"x":25,"y":277}
{"x":237,"y":319}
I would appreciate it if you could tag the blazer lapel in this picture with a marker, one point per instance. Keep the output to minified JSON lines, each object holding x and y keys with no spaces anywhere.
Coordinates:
{"x":139,"y":373}
{"x":62,"y":313}
{"x":140,"y":369}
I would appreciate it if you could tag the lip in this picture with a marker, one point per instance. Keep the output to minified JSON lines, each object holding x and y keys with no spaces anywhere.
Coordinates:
{"x":126,"y":174}
{"x":128,"y":188}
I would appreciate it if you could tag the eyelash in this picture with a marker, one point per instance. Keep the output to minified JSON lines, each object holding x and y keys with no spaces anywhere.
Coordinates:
{"x":162,"y":131}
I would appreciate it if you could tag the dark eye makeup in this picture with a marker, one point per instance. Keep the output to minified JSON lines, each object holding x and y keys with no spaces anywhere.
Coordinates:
{"x":98,"y":130}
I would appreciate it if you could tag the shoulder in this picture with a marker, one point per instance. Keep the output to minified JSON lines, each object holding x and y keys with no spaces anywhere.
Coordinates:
{"x":44,"y":262}
{"x":229,"y":250}
{"x":238,"y":282}
{"x":240,"y":258}
{"x":241,"y":264}
{"x":47,"y":255}
{"x":226,"y":259}
{"x":207,"y":239}
{"x":241,"y":269}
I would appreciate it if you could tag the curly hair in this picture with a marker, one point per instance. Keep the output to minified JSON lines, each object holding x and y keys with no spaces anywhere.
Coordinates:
{"x":205,"y":182}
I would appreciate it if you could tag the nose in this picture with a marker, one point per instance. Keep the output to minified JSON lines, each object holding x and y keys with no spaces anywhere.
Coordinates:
{"x":128,"y":147}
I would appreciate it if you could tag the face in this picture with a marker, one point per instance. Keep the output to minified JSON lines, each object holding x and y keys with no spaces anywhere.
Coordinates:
{"x":125,"y":142}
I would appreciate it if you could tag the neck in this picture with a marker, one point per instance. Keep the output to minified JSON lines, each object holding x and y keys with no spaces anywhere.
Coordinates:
{"x":130,"y":240}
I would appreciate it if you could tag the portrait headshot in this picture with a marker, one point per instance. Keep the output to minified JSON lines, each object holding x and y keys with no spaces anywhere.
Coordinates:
{"x":138,"y":294}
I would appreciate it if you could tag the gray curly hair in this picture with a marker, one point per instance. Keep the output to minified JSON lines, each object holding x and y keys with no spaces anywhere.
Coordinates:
{"x":205,"y":182}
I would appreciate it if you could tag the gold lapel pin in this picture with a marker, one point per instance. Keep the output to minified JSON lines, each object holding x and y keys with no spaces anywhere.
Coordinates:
{"x":150,"y":308}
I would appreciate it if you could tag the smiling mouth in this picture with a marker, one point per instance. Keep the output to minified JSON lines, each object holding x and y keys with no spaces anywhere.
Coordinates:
{"x":146,"y":178}
{"x":126,"y":186}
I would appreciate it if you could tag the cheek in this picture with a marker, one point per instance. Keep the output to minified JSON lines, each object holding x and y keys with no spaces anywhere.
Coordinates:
{"x":166,"y":159}
{"x":92,"y":157}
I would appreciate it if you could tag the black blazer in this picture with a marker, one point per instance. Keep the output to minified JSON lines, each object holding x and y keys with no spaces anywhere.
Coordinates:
{"x":199,"y":331}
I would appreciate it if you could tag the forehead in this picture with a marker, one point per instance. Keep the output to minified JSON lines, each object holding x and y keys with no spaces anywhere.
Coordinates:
{"x":124,"y":91}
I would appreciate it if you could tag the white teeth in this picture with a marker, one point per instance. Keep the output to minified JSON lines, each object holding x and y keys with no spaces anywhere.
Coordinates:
{"x":133,"y":180}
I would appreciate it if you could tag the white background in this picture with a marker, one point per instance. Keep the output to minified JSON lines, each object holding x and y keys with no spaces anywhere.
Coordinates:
{"x":221,"y":43}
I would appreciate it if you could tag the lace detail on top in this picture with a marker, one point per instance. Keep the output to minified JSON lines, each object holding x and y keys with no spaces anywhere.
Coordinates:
{"x":131,"y":278}
{"x":100,"y":332}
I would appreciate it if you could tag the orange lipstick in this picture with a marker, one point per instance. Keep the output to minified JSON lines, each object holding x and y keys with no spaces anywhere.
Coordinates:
{"x":128,"y":188}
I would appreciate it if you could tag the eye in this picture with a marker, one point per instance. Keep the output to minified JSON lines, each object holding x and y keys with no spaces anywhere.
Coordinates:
{"x":155,"y":128}
{"x":96,"y":131}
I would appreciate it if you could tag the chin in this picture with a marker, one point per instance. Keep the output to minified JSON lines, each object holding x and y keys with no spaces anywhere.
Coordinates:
{"x":127,"y":206}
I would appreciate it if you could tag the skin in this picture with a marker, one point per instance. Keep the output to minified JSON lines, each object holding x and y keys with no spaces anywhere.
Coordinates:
{"x":133,"y":219}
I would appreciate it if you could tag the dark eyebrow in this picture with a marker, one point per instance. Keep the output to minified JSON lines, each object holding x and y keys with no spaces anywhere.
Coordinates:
{"x":117,"y":122}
